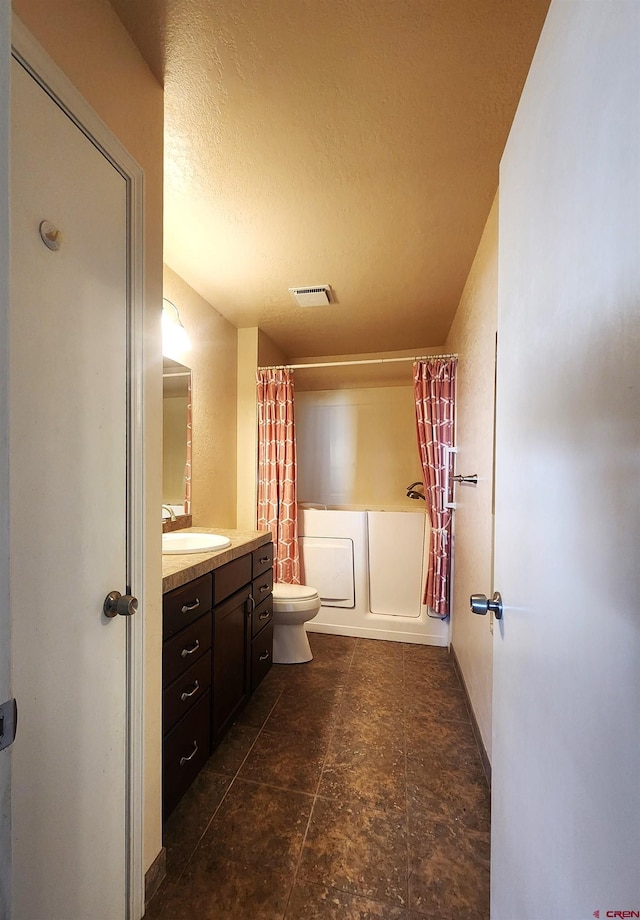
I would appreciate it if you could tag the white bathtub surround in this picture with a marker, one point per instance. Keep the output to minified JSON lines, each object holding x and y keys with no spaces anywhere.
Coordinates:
{"x":396,"y":555}
{"x":368,"y":569}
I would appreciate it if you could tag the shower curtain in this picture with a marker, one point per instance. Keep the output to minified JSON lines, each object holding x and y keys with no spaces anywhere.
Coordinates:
{"x":277,"y":501}
{"x":434,"y":383}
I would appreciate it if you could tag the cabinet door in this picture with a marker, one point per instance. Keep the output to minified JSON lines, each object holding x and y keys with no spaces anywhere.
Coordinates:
{"x":230,"y":665}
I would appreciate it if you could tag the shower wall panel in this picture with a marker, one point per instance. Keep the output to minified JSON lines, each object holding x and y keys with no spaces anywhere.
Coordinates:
{"x":393,"y":570}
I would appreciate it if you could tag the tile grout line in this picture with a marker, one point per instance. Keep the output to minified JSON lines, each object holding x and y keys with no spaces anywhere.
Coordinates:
{"x":226,"y":793}
{"x":411,"y":676}
{"x":405,"y":693}
{"x":315,"y":795}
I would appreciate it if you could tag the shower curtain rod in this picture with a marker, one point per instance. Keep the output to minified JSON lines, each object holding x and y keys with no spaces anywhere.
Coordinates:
{"x":296,"y":367}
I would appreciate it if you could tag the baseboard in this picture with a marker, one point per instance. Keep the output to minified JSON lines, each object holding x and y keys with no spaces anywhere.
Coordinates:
{"x":155,"y":875}
{"x":484,"y":757}
{"x":388,"y":635}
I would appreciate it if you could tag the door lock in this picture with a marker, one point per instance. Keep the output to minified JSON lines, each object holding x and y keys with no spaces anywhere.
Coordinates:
{"x":119,"y":604}
{"x":481,"y":604}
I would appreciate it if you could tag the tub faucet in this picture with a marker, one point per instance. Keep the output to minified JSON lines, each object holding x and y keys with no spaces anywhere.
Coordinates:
{"x":413,"y":493}
{"x":172,"y":516}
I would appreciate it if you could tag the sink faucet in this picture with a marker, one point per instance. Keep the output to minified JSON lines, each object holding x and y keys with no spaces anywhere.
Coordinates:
{"x":172,"y":516}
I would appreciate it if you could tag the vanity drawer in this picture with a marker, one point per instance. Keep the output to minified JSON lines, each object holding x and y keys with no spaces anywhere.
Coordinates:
{"x":228,"y":578}
{"x":183,"y":650}
{"x":262,"y":615}
{"x":262,"y":559}
{"x":185,"y":752}
{"x":184,"y":692}
{"x":261,"y":654}
{"x":185,"y":604}
{"x":262,"y":587}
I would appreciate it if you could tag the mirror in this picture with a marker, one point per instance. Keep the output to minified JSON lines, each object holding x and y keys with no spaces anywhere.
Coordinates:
{"x":176,"y":436}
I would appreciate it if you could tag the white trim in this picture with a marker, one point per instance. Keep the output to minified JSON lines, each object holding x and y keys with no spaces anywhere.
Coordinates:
{"x":390,"y":635}
{"x":52,"y":79}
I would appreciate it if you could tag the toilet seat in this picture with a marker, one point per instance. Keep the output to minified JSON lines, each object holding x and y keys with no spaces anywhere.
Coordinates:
{"x":293,"y":592}
{"x":295,"y":598}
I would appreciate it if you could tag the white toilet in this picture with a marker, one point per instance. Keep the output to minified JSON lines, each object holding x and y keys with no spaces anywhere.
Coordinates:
{"x":293,"y":606}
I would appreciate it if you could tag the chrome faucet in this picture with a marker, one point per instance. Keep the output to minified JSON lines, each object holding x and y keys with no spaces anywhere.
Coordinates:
{"x":172,"y":516}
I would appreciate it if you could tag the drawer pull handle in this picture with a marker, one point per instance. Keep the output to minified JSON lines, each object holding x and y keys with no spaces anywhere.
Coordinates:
{"x":264,"y":616}
{"x":264,"y":655}
{"x":264,"y":560}
{"x":190,"y":651}
{"x":185,"y":696}
{"x":184,"y":760}
{"x":189,"y":607}
{"x":263,"y":588}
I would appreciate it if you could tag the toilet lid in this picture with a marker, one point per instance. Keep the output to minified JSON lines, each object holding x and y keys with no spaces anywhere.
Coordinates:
{"x":296,"y":592}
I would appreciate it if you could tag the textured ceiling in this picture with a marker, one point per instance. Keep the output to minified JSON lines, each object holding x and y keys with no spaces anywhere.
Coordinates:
{"x":353,"y":143}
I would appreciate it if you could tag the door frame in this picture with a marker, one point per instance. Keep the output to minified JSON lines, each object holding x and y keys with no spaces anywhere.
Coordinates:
{"x":32,"y":56}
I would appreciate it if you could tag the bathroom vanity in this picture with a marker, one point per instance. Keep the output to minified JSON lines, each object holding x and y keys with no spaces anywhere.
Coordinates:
{"x":217,"y":647}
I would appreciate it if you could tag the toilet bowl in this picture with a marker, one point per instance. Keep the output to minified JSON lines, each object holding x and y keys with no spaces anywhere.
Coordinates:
{"x":293,"y":606}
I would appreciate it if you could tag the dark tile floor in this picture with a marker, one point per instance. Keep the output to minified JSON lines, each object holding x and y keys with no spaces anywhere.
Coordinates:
{"x":351,"y":788}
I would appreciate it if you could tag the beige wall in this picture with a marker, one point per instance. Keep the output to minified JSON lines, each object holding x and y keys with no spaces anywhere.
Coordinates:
{"x":213,"y":363}
{"x":473,"y":337}
{"x":88,"y":42}
{"x":357,"y":447}
{"x":247,"y":428}
{"x":268,"y":352}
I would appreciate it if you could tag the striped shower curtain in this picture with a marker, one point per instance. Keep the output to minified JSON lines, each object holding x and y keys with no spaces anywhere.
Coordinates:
{"x":434,"y":384}
{"x":277,"y":501}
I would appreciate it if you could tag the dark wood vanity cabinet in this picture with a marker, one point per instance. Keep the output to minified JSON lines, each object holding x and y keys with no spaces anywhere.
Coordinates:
{"x":186,"y":682}
{"x":218,"y":645}
{"x":261,"y":644}
{"x":241,"y":613}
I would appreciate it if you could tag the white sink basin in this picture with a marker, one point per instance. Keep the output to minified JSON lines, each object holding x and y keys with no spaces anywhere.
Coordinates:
{"x":180,"y":543}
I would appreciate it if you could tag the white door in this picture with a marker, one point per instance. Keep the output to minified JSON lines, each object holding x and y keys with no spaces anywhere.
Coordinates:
{"x":5,"y":676}
{"x":566,"y":738}
{"x":68,"y":516}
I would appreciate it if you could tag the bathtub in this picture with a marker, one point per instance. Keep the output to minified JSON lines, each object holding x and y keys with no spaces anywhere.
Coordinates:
{"x":369,"y":569}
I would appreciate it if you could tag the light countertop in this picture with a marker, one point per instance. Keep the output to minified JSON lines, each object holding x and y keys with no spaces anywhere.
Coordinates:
{"x":178,"y":570}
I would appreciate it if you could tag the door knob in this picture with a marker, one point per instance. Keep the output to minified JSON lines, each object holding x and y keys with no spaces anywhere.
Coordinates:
{"x":119,"y":604}
{"x":481,"y":604}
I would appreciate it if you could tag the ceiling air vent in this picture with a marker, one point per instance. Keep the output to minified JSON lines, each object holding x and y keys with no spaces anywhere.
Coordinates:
{"x":317,"y":296}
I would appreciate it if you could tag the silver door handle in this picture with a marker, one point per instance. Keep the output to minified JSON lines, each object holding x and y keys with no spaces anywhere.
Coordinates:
{"x":481,"y":604}
{"x":119,"y":604}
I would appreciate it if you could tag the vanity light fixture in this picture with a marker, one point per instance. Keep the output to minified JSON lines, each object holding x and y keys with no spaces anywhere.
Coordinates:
{"x":174,"y":336}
